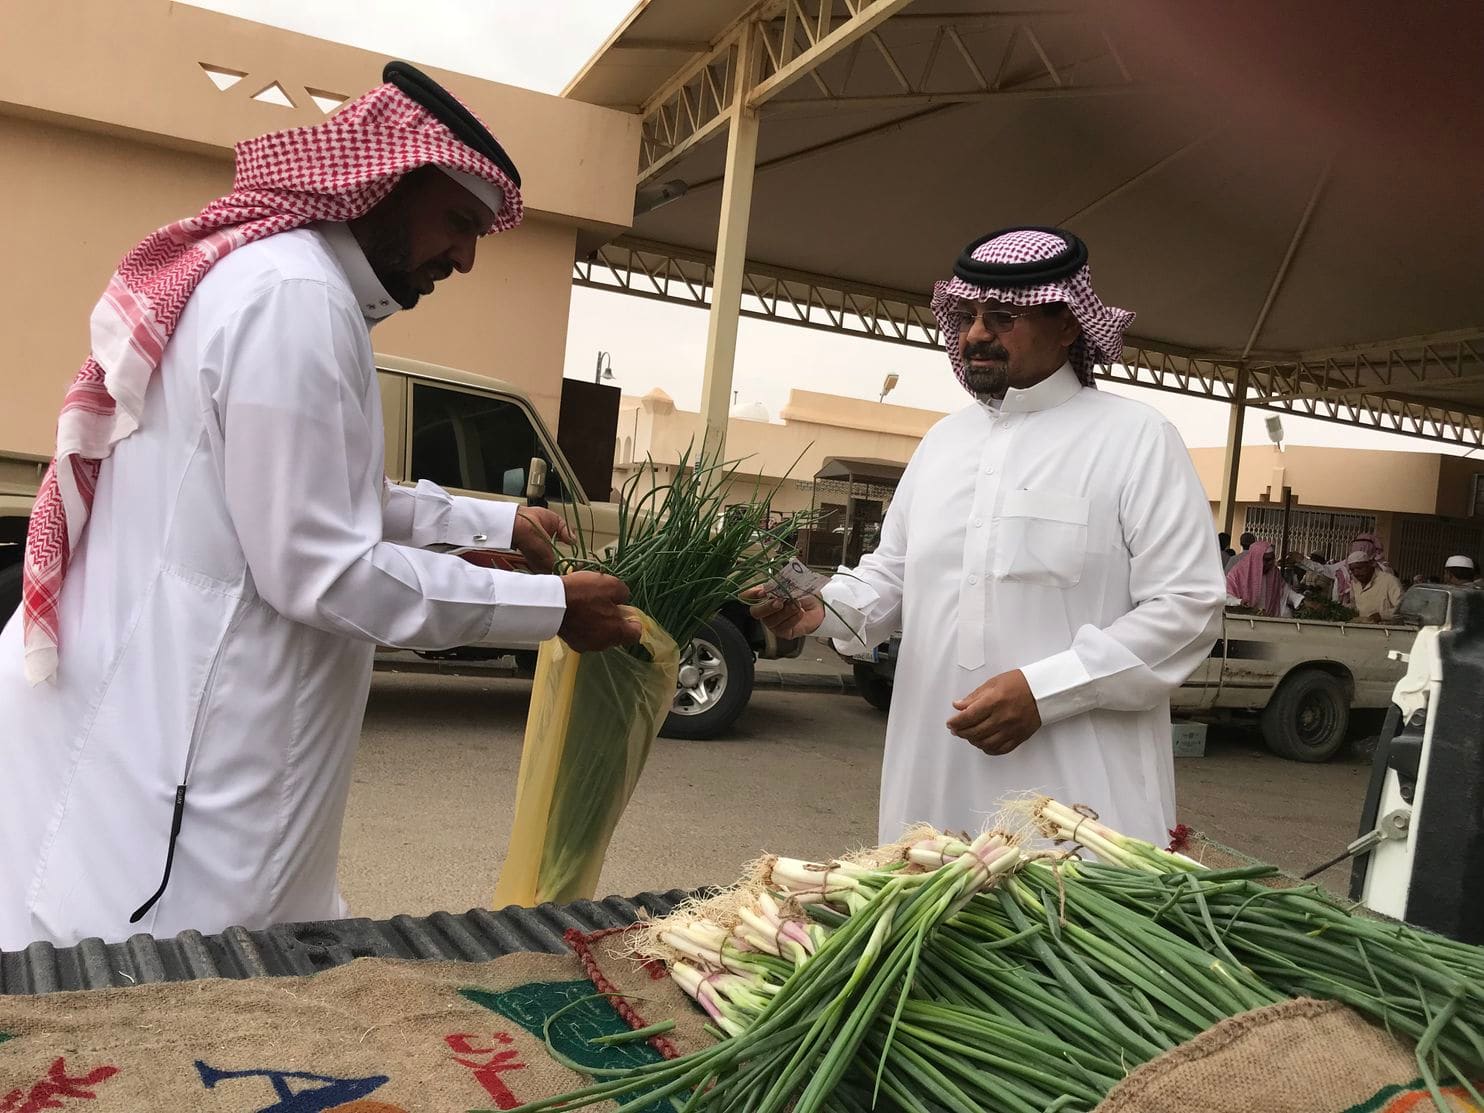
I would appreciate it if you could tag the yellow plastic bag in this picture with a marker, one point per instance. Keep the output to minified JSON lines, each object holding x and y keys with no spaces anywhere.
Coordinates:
{"x":593,"y":718}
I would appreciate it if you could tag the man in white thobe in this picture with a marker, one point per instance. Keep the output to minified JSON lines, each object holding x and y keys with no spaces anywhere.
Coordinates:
{"x":1047,"y":558}
{"x":1376,"y":591}
{"x":186,"y":760}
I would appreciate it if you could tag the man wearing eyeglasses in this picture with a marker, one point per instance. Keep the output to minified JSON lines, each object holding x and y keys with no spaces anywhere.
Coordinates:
{"x":1047,"y":558}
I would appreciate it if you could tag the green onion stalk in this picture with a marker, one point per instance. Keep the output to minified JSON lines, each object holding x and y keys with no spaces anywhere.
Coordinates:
{"x":1305,"y":944}
{"x":1301,"y":941}
{"x":814,"y":1027}
{"x":945,"y":974}
{"x":684,"y":547}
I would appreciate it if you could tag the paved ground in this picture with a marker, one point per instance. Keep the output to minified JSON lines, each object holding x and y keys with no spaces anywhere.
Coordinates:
{"x":435,"y":782}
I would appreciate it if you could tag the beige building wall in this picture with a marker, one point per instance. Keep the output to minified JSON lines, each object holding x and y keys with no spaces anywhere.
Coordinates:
{"x":1399,"y":481}
{"x":781,"y":458}
{"x":1457,"y":479}
{"x":109,"y":128}
{"x":74,"y":203}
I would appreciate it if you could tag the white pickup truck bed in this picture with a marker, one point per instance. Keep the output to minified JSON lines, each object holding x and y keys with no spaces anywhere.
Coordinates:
{"x":1304,"y":677}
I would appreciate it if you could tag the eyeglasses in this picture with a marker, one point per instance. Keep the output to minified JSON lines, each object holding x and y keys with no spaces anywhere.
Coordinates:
{"x":995,"y":320}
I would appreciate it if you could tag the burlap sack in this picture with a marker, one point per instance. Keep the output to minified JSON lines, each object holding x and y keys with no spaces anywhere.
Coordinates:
{"x":1296,"y":1057}
{"x":375,"y":1036}
{"x":646,"y":993}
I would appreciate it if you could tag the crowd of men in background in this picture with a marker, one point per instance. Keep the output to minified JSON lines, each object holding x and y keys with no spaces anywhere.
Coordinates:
{"x":1362,"y":581}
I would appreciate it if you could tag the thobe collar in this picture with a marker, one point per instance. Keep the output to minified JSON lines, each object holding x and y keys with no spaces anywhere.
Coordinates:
{"x":1050,"y":392}
{"x":376,"y":304}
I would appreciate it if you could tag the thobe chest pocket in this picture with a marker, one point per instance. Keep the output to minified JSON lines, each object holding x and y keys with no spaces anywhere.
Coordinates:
{"x":1042,"y":538}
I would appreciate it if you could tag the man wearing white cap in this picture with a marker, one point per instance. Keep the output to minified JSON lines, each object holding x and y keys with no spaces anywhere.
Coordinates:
{"x":1047,"y":557}
{"x":1377,"y":592}
{"x":1460,"y":572}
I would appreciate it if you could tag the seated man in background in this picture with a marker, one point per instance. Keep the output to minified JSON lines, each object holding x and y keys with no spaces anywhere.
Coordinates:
{"x":1256,"y":582}
{"x":1224,"y":543}
{"x":1315,"y":580}
{"x":1460,"y":572}
{"x":1247,"y":540}
{"x":1377,"y":592}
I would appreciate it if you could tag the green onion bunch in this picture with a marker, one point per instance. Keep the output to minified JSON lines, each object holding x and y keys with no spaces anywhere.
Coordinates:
{"x":945,"y":974}
{"x":1301,"y":941}
{"x":682,"y":549}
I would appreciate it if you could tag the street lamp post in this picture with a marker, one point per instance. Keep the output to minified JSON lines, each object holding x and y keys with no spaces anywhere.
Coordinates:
{"x":604,"y":369}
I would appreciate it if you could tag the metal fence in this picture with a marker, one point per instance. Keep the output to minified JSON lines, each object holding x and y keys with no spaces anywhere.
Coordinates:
{"x":1309,"y":531}
{"x":1421,"y":544}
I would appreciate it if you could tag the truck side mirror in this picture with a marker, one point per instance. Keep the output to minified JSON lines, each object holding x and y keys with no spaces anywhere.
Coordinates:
{"x":536,"y":481}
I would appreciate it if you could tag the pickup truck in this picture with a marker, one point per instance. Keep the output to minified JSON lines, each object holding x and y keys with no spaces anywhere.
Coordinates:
{"x":479,"y":436}
{"x":1303,"y":680}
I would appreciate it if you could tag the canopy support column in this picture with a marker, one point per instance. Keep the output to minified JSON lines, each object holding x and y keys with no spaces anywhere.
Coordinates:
{"x":731,"y":249}
{"x":1228,"y":510}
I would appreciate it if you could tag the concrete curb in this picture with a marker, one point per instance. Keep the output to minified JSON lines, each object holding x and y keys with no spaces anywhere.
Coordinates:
{"x":764,"y":677}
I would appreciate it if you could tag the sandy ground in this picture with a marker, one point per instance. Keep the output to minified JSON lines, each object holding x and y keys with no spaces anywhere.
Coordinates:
{"x":434,"y":790}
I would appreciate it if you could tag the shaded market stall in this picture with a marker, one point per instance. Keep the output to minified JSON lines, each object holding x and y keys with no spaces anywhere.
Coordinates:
{"x":1280,"y":191}
{"x":849,"y":504}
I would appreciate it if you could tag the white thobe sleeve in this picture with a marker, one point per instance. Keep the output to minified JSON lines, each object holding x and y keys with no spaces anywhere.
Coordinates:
{"x":427,"y":515}
{"x":1292,"y":601}
{"x":304,"y":489}
{"x":1135,"y":662}
{"x":863,"y":605}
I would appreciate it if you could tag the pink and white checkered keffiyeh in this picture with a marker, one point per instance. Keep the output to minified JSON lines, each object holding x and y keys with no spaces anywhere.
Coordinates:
{"x":1103,"y":326}
{"x":1255,"y":585}
{"x":335,"y":170}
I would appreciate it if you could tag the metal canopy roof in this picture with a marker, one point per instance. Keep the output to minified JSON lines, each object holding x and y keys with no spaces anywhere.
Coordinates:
{"x":868,"y":469}
{"x":1286,"y":194}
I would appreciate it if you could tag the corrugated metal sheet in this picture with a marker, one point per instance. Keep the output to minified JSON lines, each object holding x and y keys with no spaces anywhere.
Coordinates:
{"x":288,"y":949}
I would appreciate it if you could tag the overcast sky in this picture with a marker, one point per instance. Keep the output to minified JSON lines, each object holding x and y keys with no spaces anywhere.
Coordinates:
{"x":541,"y":44}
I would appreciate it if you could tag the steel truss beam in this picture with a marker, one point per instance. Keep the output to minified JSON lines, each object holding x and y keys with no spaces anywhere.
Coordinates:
{"x":808,"y":33}
{"x":1374,"y":387}
{"x":868,"y":54}
{"x":967,"y":57}
{"x":690,"y":109}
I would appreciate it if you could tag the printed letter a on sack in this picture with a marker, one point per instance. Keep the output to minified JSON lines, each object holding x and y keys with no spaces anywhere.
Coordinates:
{"x":328,"y":1094}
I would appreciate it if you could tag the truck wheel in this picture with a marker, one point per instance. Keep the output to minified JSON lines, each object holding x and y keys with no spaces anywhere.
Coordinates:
{"x":713,"y":685}
{"x":875,"y":687}
{"x":1307,"y":717}
{"x":10,"y":592}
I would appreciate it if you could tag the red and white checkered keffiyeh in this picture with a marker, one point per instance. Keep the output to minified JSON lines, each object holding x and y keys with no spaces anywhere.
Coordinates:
{"x":335,"y":170}
{"x":1103,"y":326}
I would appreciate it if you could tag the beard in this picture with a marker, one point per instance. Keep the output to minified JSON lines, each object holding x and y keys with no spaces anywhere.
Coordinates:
{"x":390,"y":255}
{"x":986,"y":382}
